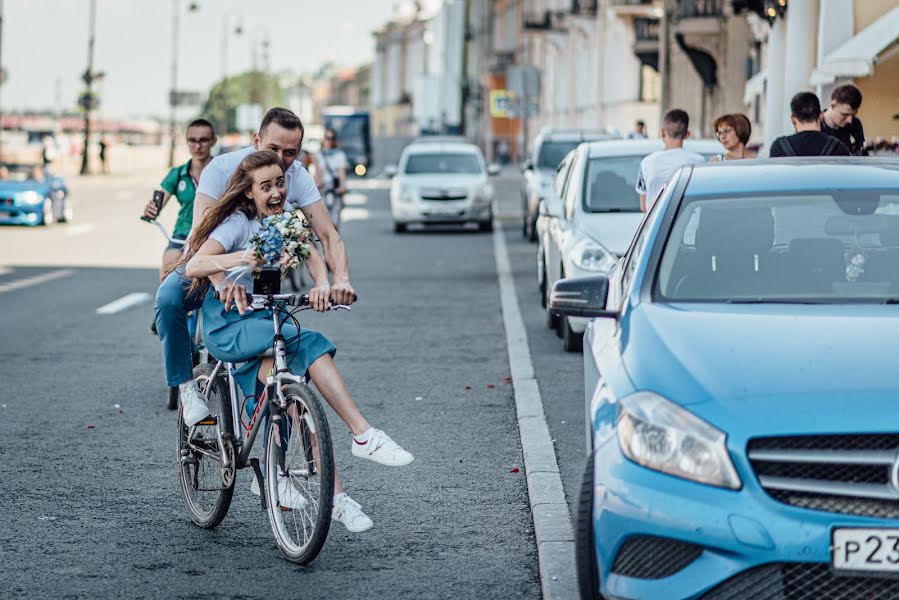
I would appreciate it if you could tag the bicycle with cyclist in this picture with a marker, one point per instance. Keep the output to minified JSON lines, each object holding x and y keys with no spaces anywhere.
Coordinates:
{"x":222,"y":241}
{"x":334,"y":164}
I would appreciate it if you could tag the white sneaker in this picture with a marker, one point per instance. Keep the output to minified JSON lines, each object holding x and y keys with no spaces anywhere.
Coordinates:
{"x":381,"y":449}
{"x":288,"y":496}
{"x":347,"y":511}
{"x":193,"y":404}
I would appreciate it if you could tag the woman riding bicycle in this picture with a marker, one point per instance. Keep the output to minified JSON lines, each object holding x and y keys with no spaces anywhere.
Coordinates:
{"x":222,"y":241}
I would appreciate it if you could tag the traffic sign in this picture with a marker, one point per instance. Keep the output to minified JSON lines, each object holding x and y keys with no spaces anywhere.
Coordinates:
{"x":501,"y":104}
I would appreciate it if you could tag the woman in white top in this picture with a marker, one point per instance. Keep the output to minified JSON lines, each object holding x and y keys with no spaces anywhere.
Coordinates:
{"x":733,"y":132}
{"x":256,"y":190}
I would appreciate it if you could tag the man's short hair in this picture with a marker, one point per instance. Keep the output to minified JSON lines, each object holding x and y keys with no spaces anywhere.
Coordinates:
{"x":847,"y":94}
{"x":676,"y":123}
{"x":641,"y":123}
{"x":283,"y":117}
{"x":738,"y":122}
{"x":805,"y":107}
{"x":201,"y":123}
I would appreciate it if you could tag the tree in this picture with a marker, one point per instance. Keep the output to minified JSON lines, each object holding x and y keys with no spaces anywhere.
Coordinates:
{"x":251,"y":87}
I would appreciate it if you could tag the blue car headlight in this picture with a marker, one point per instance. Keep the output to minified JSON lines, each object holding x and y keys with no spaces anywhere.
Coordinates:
{"x":588,"y":255}
{"x":31,"y":198}
{"x":660,"y":435}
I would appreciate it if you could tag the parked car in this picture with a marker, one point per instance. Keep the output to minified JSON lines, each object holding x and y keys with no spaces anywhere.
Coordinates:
{"x":550,"y":147}
{"x":441,"y":182}
{"x":741,"y":388}
{"x":29,"y":195}
{"x":589,"y":220}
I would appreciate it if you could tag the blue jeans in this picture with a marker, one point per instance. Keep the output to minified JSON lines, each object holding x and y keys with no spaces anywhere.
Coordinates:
{"x":171,"y":307}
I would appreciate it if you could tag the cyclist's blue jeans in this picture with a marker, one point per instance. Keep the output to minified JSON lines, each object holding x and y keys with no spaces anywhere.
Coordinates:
{"x":172,"y":305}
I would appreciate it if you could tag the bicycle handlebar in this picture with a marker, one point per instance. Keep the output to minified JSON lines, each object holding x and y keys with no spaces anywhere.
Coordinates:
{"x":164,"y":231}
{"x":289,"y":299}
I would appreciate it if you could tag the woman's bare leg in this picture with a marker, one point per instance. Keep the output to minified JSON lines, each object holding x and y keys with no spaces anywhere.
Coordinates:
{"x":329,"y":383}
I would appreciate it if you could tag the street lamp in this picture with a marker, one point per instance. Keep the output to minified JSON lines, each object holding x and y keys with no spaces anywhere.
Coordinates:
{"x":231,"y":21}
{"x":173,"y":89}
{"x":88,"y":97}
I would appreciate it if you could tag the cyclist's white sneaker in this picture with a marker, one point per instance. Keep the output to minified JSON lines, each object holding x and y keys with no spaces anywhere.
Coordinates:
{"x":193,"y":405}
{"x":347,"y":511}
{"x":381,"y":449}
{"x":288,"y":496}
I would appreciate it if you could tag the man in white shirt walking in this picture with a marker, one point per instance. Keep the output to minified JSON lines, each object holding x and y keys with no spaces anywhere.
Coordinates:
{"x":657,"y":168}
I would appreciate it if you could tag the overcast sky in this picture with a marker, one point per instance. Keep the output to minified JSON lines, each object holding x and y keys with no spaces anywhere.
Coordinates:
{"x":45,"y":46}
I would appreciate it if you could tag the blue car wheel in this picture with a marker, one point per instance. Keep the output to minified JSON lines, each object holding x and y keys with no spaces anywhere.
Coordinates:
{"x":585,"y":547}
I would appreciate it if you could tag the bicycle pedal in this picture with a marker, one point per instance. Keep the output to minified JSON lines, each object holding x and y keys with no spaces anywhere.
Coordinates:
{"x":208,"y":421}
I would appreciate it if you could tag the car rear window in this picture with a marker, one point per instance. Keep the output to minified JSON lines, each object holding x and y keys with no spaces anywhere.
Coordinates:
{"x":609,"y":184}
{"x":829,"y":247}
{"x":443,"y":163}
{"x":552,"y":153}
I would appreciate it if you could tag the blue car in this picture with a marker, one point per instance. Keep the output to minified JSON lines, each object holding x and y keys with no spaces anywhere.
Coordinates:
{"x":31,"y":196}
{"x":742,"y":388}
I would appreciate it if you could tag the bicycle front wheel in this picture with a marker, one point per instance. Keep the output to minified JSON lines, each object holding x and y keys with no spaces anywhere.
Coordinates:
{"x":299,"y":475}
{"x":206,"y":484}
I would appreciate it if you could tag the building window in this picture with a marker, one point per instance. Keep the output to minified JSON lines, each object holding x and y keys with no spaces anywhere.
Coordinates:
{"x":650,"y":84}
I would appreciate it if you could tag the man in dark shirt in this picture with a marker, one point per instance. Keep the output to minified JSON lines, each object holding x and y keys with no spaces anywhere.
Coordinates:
{"x":841,"y":119}
{"x":808,"y":140}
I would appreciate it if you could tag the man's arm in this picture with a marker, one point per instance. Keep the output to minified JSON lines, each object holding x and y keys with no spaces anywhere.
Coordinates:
{"x":202,"y":203}
{"x":335,"y":253}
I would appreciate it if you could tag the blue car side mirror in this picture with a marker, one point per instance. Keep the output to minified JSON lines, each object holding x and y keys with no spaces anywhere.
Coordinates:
{"x":581,"y":297}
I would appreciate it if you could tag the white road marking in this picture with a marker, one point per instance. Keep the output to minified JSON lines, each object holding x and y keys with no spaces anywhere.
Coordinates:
{"x":34,"y":280}
{"x":125,"y":302}
{"x":80,"y":229}
{"x":351,"y":199}
{"x":552,"y":524}
{"x":124,"y":194}
{"x":354,"y":214}
{"x":5,"y":270}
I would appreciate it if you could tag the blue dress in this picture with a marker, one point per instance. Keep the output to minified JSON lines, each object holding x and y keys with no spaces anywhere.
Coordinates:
{"x":235,"y":338}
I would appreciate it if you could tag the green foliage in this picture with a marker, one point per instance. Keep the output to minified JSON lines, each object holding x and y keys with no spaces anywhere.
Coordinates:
{"x":252,"y":87}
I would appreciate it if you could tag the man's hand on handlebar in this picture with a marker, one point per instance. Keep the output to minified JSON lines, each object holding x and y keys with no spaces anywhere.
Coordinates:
{"x":320,"y":297}
{"x":342,"y":292}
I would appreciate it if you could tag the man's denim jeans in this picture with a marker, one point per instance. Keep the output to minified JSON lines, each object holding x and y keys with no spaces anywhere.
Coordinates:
{"x":172,"y":305}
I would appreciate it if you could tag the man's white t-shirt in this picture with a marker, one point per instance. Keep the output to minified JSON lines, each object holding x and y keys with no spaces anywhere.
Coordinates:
{"x":657,"y":168}
{"x":301,"y":189}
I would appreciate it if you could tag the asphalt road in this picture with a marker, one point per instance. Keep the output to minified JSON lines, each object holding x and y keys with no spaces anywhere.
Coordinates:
{"x":89,"y":488}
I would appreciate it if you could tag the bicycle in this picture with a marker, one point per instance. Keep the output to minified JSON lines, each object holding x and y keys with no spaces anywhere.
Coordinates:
{"x":334,"y":203}
{"x":199,"y":354}
{"x":297,"y":446}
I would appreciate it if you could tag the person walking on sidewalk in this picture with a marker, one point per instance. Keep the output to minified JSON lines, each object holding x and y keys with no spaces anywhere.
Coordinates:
{"x":805,"y":113}
{"x":657,"y":168}
{"x":841,"y":119}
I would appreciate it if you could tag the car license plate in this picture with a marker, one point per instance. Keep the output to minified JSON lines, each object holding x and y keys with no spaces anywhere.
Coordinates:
{"x":865,"y":549}
{"x":448,"y":208}
{"x":4,"y":214}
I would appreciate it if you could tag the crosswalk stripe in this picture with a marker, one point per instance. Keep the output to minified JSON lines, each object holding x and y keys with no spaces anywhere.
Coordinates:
{"x":34,"y":280}
{"x":125,"y":302}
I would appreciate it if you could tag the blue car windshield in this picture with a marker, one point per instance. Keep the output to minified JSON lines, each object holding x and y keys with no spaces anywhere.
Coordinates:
{"x":444,"y":163}
{"x":837,"y":246}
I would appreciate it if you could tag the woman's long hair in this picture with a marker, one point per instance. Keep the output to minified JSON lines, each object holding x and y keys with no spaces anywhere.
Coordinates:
{"x":233,"y":199}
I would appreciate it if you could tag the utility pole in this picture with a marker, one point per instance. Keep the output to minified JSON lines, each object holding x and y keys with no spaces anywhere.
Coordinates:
{"x":173,"y":88}
{"x":89,"y":98}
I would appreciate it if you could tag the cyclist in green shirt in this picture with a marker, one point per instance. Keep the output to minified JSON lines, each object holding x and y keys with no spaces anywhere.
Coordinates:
{"x":181,"y":182}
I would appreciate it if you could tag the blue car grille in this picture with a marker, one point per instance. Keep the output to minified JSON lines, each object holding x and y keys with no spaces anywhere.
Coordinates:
{"x":650,"y":557}
{"x":849,"y":474}
{"x":801,"y":581}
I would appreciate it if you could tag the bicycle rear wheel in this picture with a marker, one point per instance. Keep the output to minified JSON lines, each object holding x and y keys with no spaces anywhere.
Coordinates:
{"x":298,"y":454}
{"x":207,"y":487}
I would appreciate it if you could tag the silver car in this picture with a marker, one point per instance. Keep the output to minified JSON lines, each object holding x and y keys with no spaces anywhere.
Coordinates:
{"x":587,"y":224}
{"x":441,"y":183}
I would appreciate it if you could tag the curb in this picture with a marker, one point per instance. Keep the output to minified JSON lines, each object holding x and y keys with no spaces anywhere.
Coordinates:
{"x":552,"y":523}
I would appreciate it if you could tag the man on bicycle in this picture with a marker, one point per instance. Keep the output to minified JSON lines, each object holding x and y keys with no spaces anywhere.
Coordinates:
{"x":181,"y":182}
{"x":334,"y":164}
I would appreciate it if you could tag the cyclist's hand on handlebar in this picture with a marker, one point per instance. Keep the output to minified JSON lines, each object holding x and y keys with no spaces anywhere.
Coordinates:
{"x":320,"y":297}
{"x":233,"y":292}
{"x":150,"y":211}
{"x":342,"y":292}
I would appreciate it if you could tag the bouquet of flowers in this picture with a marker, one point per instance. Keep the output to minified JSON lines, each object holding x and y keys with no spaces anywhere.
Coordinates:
{"x":284,"y":239}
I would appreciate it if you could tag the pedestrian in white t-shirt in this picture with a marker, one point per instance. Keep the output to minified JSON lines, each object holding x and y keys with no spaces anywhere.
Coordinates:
{"x":334,"y":164}
{"x":657,"y":168}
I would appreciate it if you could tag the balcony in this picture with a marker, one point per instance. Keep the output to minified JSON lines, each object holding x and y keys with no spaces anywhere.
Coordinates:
{"x":646,"y":41}
{"x":584,"y":8}
{"x":546,"y":20}
{"x":636,"y":8}
{"x":632,"y":2}
{"x":699,"y":9}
